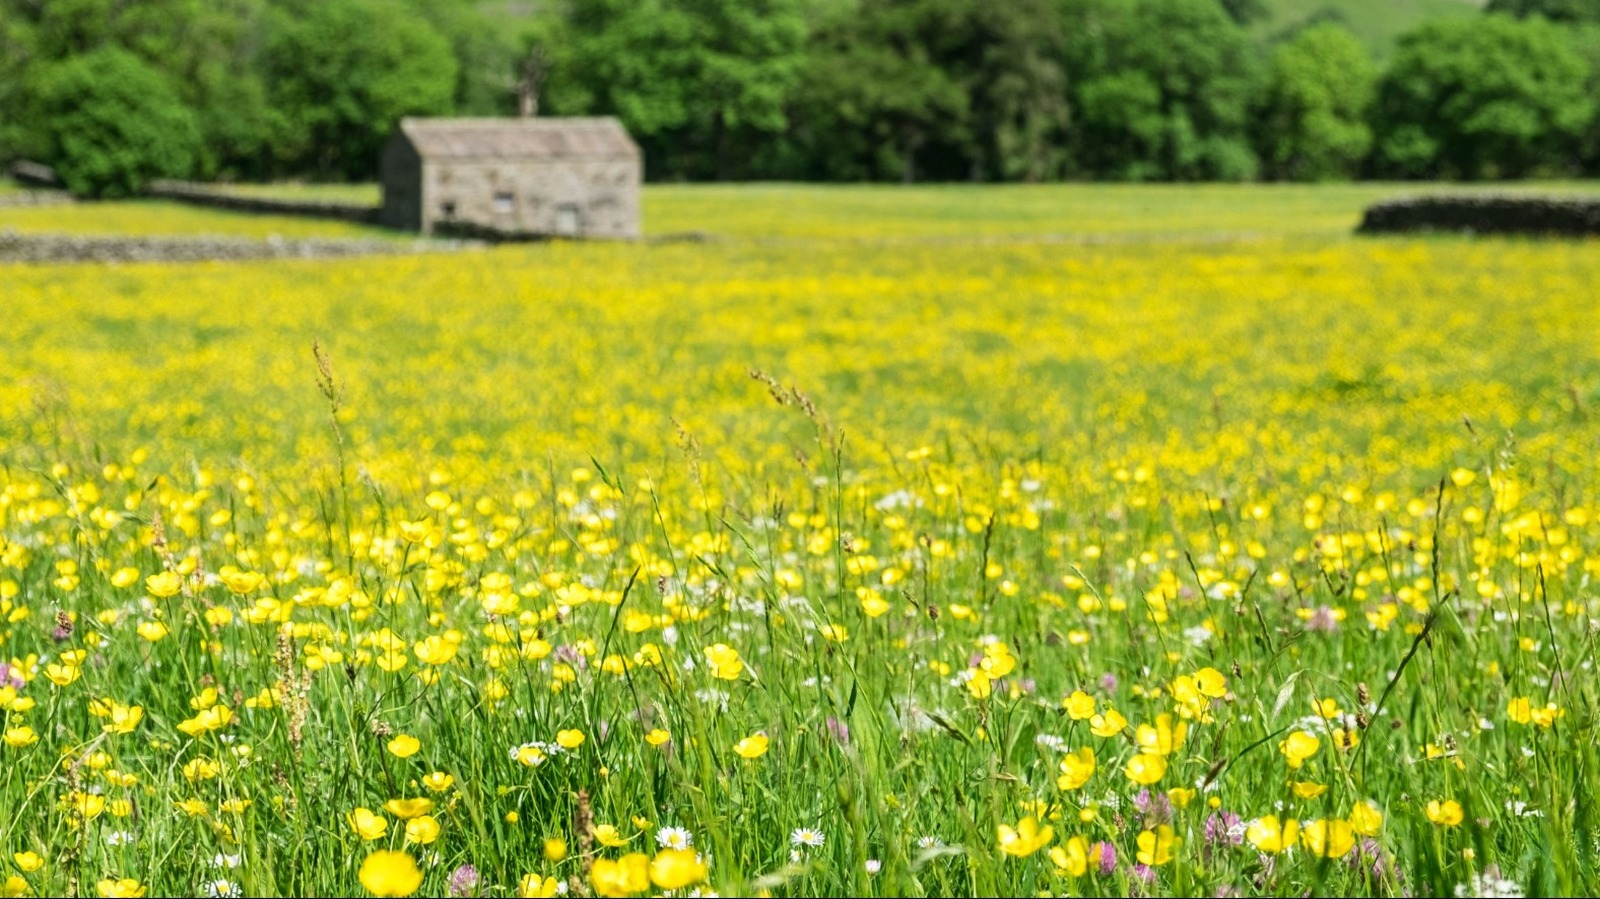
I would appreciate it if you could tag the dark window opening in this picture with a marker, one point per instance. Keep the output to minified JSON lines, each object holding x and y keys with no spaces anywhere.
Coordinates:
{"x":448,"y":207}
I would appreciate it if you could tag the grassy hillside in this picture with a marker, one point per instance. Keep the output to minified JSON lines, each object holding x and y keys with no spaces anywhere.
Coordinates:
{"x":1377,"y":22}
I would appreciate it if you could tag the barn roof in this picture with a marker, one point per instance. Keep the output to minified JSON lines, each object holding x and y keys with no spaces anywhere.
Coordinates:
{"x":521,"y":139}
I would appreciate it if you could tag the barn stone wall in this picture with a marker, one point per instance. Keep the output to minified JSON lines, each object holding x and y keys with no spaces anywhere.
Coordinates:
{"x":559,"y":198}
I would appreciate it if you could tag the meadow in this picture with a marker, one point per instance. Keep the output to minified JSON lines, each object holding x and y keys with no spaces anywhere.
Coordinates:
{"x":963,"y":541}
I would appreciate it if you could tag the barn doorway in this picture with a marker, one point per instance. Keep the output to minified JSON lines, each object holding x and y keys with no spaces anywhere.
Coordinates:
{"x":569,"y":220}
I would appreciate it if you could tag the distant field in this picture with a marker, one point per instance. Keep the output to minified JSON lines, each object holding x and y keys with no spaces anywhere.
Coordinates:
{"x":1081,"y":212}
{"x":1378,"y":23}
{"x":369,"y":194}
{"x":167,"y":218}
{"x":888,"y":213}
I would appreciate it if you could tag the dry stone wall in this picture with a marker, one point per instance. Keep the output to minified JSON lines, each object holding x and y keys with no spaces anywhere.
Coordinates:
{"x":1485,"y":214}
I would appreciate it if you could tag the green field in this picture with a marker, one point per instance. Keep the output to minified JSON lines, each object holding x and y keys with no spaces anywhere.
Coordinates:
{"x":876,"y":213}
{"x":1066,"y":540}
{"x":1378,"y":23}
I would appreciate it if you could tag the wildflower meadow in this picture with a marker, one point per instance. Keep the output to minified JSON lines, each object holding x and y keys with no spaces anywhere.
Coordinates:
{"x":879,"y":544}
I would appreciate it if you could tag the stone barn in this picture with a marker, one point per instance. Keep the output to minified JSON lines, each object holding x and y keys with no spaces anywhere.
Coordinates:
{"x":557,"y":177}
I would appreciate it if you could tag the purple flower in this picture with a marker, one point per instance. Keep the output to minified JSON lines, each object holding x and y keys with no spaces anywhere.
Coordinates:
{"x":10,"y":677}
{"x":839,"y":731}
{"x":1153,"y":809}
{"x":1322,"y":620}
{"x":1370,"y":856}
{"x":1224,"y":827}
{"x":1144,"y":872}
{"x":1104,"y":855}
{"x":463,"y":881}
{"x":1108,"y":682}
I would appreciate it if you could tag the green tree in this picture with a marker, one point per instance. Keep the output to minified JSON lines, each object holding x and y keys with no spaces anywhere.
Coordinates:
{"x":878,"y":96}
{"x":204,"y":47}
{"x":691,"y":78}
{"x":113,"y":123}
{"x":941,"y":89}
{"x":1162,"y":89}
{"x":1482,"y":98}
{"x":1314,"y":111}
{"x":340,"y":75}
{"x":1554,"y":10}
{"x":487,"y":41}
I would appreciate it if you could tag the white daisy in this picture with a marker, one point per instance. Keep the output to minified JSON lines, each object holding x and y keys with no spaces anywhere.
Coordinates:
{"x":674,"y":838}
{"x":806,"y":836}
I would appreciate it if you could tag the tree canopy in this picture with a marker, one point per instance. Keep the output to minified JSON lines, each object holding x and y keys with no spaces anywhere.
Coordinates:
{"x":1021,"y":90}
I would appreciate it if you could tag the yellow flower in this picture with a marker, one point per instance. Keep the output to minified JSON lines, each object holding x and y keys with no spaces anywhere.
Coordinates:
{"x":154,"y":631}
{"x":167,"y":583}
{"x":193,"y":807}
{"x":125,"y":888}
{"x":608,"y":836}
{"x":555,"y":849}
{"x":657,"y":736}
{"x":1211,"y":682}
{"x":404,"y":746}
{"x":1447,"y":813}
{"x":532,"y":887}
{"x":1298,"y":747}
{"x":570,"y":739}
{"x":751,"y":747}
{"x":1306,"y":789}
{"x":1076,"y":769}
{"x":997,"y":660}
{"x":979,"y":684}
{"x":18,"y":737}
{"x":1180,"y":797}
{"x":87,"y":805}
{"x":28,"y":862}
{"x":724,"y":661}
{"x":408,"y":808}
{"x":367,"y":824}
{"x":242,"y":582}
{"x":1365,"y":818}
{"x":1025,"y":839}
{"x":622,"y":877}
{"x":214,"y":718}
{"x":266,"y":699}
{"x":423,"y":829}
{"x":674,"y":869}
{"x":1108,"y":724}
{"x":201,"y":769}
{"x":1328,"y":838}
{"x":438,"y":781}
{"x":13,"y":886}
{"x":1155,"y":847}
{"x":62,"y":675}
{"x":389,"y":873}
{"x":834,"y":633}
{"x":123,"y":719}
{"x":1079,"y":706}
{"x":1163,"y":738}
{"x":435,"y":650}
{"x":1146,"y":769}
{"x":1071,"y":857}
{"x":1270,"y":835}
